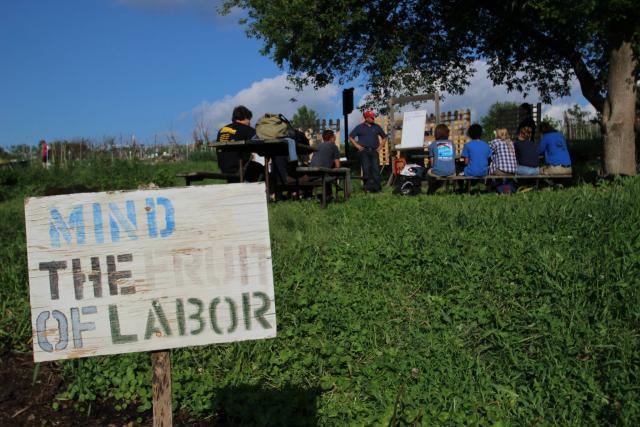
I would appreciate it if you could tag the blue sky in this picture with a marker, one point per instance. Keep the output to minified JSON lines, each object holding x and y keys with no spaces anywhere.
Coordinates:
{"x":94,"y":68}
{"x":147,"y":68}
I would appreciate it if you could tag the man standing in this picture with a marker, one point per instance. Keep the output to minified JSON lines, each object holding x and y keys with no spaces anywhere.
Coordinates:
{"x":369,"y":136}
{"x":238,"y":130}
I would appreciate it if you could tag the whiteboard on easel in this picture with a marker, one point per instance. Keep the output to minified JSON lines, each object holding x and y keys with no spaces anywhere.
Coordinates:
{"x":413,"y":124}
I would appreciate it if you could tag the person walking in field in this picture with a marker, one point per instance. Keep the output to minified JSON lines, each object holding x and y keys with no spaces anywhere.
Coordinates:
{"x":44,"y":150}
{"x":367,"y":138}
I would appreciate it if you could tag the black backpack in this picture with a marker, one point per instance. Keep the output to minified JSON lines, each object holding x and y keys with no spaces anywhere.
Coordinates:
{"x":408,"y":185}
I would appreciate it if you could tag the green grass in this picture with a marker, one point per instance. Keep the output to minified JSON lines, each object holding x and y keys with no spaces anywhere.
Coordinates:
{"x":445,"y":310}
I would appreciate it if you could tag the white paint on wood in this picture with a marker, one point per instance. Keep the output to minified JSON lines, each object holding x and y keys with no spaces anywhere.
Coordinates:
{"x":195,"y":251}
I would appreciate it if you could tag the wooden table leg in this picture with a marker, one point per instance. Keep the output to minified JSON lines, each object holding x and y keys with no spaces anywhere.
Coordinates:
{"x":324,"y":191}
{"x":266,"y":175}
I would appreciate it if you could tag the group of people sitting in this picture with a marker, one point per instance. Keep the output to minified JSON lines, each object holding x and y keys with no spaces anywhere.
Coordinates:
{"x":502,"y":156}
{"x":282,"y":168}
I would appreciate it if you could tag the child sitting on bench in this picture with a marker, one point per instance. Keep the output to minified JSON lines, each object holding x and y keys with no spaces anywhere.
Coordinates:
{"x":476,"y":153}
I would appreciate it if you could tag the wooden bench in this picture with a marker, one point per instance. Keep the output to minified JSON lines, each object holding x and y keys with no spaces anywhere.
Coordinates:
{"x":469,"y":179}
{"x":338,"y":176}
{"x":301,"y":185}
{"x":190,"y":177}
{"x":325,"y":176}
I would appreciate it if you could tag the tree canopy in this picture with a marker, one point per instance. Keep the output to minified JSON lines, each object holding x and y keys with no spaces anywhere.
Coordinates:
{"x":402,"y":46}
{"x":412,"y":46}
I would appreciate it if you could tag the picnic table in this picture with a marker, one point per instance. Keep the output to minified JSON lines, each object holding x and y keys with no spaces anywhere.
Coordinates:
{"x":341,"y":177}
{"x":267,"y":148}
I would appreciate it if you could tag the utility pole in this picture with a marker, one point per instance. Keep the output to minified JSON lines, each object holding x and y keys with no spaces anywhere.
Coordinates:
{"x":347,"y":108}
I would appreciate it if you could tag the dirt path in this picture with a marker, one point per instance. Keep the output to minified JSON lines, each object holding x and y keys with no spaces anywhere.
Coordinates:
{"x":25,"y":403}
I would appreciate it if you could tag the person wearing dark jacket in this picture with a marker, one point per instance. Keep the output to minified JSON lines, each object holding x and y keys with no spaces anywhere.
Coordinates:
{"x":526,"y":153}
{"x":238,"y":130}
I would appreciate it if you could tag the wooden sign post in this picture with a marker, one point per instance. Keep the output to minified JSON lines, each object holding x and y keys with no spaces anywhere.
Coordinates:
{"x":161,"y":388}
{"x":122,"y":272}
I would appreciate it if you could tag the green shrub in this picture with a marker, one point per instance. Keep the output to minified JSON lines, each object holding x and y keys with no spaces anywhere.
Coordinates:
{"x":203,"y":156}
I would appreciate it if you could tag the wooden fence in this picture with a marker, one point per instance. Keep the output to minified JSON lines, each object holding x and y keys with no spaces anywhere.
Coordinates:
{"x":458,"y":122}
{"x":581,"y":131}
{"x":315,"y":136}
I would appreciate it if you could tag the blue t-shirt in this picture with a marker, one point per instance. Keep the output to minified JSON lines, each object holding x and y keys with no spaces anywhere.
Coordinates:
{"x":478,"y":152}
{"x":443,"y":158}
{"x":367,"y":136}
{"x":554,"y":148}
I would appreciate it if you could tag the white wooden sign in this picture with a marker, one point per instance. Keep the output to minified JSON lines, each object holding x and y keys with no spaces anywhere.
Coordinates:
{"x":122,"y":272}
{"x":413,"y":124}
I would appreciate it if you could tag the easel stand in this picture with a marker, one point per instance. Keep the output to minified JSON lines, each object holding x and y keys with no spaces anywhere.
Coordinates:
{"x":161,"y":387}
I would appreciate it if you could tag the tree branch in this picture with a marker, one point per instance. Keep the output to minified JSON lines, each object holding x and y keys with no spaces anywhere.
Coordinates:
{"x":588,"y":83}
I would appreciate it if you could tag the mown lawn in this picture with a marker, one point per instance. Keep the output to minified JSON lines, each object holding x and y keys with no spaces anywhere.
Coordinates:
{"x":439,"y":310}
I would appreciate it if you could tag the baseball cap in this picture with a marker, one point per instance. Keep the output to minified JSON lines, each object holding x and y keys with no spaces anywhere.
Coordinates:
{"x":368,"y":114}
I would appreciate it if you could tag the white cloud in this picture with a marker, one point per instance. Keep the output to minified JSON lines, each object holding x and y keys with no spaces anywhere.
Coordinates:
{"x":271,"y":95}
{"x":481,"y":94}
{"x":556,"y":110}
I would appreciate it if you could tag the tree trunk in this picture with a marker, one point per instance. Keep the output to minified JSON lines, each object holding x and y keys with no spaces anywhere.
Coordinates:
{"x":618,"y":115}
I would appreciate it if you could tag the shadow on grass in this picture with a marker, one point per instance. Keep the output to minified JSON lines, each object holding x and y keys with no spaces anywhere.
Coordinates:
{"x":257,"y":406}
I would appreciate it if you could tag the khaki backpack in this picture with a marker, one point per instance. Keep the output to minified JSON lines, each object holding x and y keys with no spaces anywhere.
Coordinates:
{"x":274,"y":126}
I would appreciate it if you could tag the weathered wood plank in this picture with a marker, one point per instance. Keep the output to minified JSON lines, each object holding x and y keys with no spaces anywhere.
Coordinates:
{"x":516,"y":177}
{"x":161,"y":387}
{"x":134,"y":271}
